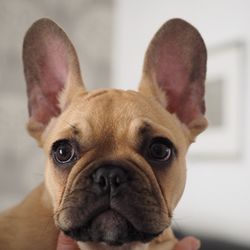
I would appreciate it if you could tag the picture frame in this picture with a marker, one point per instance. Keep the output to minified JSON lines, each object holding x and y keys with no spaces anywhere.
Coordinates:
{"x":224,"y":104}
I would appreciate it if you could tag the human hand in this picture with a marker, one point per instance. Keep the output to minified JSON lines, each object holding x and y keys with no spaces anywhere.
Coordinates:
{"x":187,"y":243}
{"x":66,"y":243}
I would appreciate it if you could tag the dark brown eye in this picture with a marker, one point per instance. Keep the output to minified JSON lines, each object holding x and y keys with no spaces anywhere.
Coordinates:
{"x":160,"y":150}
{"x":63,"y":152}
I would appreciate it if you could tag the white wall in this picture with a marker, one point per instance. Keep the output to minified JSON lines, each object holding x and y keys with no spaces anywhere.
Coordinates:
{"x":216,"y":200}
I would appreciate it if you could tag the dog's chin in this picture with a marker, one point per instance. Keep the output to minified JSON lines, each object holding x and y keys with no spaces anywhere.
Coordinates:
{"x":111,"y":228}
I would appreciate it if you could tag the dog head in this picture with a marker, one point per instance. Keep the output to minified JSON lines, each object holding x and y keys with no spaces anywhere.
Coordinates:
{"x":115,"y":159}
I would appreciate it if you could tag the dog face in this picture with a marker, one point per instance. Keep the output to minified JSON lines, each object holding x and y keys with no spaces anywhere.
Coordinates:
{"x":115,"y":159}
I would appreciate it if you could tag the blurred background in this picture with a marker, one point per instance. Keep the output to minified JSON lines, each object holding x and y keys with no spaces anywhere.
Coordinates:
{"x":111,"y":38}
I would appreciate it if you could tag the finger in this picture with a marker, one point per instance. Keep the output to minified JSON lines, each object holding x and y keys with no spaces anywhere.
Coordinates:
{"x":188,"y":243}
{"x":66,"y":243}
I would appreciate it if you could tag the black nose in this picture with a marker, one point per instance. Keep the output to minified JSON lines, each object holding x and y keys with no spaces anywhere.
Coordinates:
{"x":109,"y":179}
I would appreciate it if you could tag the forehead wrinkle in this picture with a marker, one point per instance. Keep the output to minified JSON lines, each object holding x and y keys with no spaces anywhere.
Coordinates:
{"x":144,"y":125}
{"x":83,"y":129}
{"x":96,"y":94}
{"x":69,"y":131}
{"x":80,"y":130}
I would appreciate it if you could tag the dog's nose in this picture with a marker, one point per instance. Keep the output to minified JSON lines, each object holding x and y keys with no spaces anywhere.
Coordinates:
{"x":109,"y":179}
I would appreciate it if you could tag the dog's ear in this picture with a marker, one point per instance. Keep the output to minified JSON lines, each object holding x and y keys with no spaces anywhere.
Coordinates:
{"x":174,"y":72}
{"x":51,"y":71}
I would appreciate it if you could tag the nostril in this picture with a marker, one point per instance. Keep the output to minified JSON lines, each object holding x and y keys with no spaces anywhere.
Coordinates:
{"x":115,"y":181}
{"x":100,"y":178}
{"x":117,"y":177}
{"x":102,"y":182}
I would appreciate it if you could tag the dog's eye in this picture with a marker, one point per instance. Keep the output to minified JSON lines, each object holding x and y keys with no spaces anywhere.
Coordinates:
{"x":63,"y":152}
{"x":160,"y":149}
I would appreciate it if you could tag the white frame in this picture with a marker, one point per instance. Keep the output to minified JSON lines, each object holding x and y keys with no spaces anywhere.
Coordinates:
{"x":225,"y":62}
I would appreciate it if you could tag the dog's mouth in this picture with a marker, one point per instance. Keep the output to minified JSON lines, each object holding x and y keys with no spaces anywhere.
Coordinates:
{"x":110,"y":227}
{"x":114,"y":204}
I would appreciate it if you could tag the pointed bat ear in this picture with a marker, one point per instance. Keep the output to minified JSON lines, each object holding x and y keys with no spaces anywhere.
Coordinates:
{"x":51,"y":71}
{"x":174,"y":73}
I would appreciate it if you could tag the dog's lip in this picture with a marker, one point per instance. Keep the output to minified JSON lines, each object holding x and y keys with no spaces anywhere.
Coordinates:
{"x":108,"y":209}
{"x":97,"y":213}
{"x":104,"y":210}
{"x":105,"y":207}
{"x":81,"y":233}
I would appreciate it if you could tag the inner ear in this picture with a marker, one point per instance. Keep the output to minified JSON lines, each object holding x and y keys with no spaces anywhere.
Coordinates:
{"x":174,"y":70}
{"x":46,"y":75}
{"x":51,"y":71}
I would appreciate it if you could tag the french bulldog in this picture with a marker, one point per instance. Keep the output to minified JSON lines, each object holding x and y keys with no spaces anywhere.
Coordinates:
{"x":115,"y":167}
